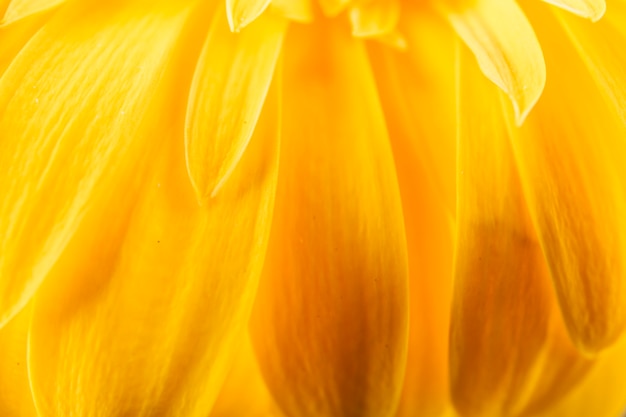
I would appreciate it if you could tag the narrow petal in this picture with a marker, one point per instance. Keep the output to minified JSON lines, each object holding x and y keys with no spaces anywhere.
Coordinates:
{"x":241,"y":13}
{"x":231,"y":81}
{"x":417,"y":93}
{"x":19,"y":9}
{"x":15,"y":396}
{"x":572,"y":157}
{"x":590,"y":9}
{"x":375,"y":18}
{"x":298,"y":10}
{"x":91,"y":85}
{"x":149,"y":326}
{"x":245,"y":377}
{"x":504,"y":330}
{"x":505,"y":46}
{"x":420,"y":81}
{"x":330,"y":321}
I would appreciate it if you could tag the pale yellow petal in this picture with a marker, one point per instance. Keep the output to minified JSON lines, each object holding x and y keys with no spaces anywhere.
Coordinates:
{"x":572,"y":157}
{"x":13,"y":37}
{"x":91,"y":86}
{"x":503,"y":302}
{"x":148,"y":328}
{"x":330,"y":321}
{"x":231,"y":81}
{"x":19,"y":9}
{"x":375,"y":18}
{"x":590,"y":9}
{"x":505,"y":47}
{"x":298,"y":10}
{"x":15,"y":397}
{"x":241,"y":13}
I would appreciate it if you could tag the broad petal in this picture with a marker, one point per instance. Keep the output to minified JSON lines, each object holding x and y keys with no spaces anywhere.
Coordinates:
{"x":92,"y":87}
{"x":19,"y":9}
{"x":505,"y":335}
{"x":505,"y":46}
{"x":231,"y":81}
{"x":15,"y":395}
{"x":572,"y":157}
{"x":150,"y":325}
{"x":330,"y":321}
{"x":298,"y":10}
{"x":376,"y":18}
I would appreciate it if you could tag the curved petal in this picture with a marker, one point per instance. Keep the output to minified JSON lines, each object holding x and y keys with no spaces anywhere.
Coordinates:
{"x":572,"y":157}
{"x":376,"y":18}
{"x":149,"y":325}
{"x":19,"y":9}
{"x":15,"y":395}
{"x":590,"y":9}
{"x":91,"y":85}
{"x":231,"y":81}
{"x":330,"y":321}
{"x":241,"y":13}
{"x":505,"y":46}
{"x":298,"y":10}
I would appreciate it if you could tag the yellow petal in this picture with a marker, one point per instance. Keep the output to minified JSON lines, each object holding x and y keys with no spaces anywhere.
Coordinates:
{"x":231,"y":81}
{"x":590,"y":9}
{"x":375,"y":18}
{"x":505,"y":46}
{"x":15,"y":396}
{"x":13,"y":37}
{"x":19,"y":9}
{"x":331,"y":312}
{"x":332,"y":8}
{"x":420,"y":82}
{"x":502,"y":328}
{"x":245,"y":377}
{"x":298,"y":10}
{"x":149,"y":326}
{"x":572,"y":157}
{"x":91,"y":85}
{"x":241,"y":13}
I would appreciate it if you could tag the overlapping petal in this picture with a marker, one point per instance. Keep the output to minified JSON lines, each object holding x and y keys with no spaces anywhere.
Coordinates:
{"x":330,"y":320}
{"x":19,"y":9}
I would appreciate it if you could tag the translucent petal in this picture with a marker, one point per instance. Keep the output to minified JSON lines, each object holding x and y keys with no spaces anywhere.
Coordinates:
{"x":298,"y":10}
{"x":13,"y":37}
{"x":374,"y":18}
{"x":590,"y":9}
{"x":331,"y":312}
{"x":241,"y":13}
{"x":149,"y":326}
{"x":91,"y":86}
{"x":231,"y":81}
{"x":505,"y":46}
{"x":19,"y":9}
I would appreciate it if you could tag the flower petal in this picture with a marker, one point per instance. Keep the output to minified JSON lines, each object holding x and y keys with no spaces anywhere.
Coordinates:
{"x":150,"y":325}
{"x":590,"y":9}
{"x":19,"y":9}
{"x":376,"y":18}
{"x":241,"y":13}
{"x":503,"y":306}
{"x":298,"y":10}
{"x":505,"y":46}
{"x":572,"y":157}
{"x":90,"y":85}
{"x":231,"y":81}
{"x":330,"y":321}
{"x":15,"y":396}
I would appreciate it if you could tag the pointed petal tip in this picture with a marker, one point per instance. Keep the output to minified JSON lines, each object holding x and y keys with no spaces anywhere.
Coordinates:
{"x":593,"y":10}
{"x":241,"y":13}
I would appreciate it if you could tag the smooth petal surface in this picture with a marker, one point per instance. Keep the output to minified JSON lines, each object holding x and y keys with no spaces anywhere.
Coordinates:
{"x":417,"y":93}
{"x":150,"y":325}
{"x":90,"y":85}
{"x":330,"y":321}
{"x":298,"y":10}
{"x":231,"y":81}
{"x":505,"y":46}
{"x":590,"y":9}
{"x":374,"y":18}
{"x":572,"y":157}
{"x":15,"y":396}
{"x":241,"y":13}
{"x":19,"y":9}
{"x":503,"y":301}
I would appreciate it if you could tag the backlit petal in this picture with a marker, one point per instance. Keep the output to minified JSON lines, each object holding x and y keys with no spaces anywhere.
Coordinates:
{"x":505,"y":335}
{"x":90,"y":85}
{"x":19,"y":9}
{"x":232,"y":78}
{"x":241,"y":13}
{"x":505,"y":46}
{"x":572,"y":157}
{"x":299,"y":10}
{"x":150,"y":325}
{"x":330,"y":321}
{"x":374,"y":18}
{"x":591,"y":9}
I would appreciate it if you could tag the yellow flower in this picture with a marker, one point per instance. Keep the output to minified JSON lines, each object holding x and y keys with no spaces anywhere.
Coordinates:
{"x":284,"y":208}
